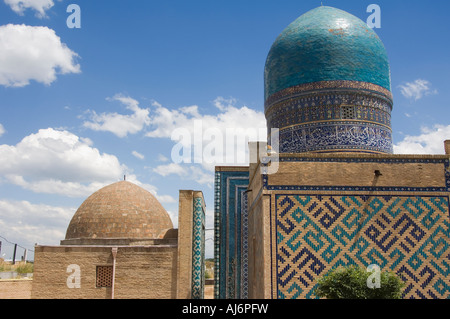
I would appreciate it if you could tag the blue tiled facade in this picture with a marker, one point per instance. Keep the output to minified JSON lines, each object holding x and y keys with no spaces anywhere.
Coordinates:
{"x":404,"y":229}
{"x":328,"y":90}
{"x":230,"y":238}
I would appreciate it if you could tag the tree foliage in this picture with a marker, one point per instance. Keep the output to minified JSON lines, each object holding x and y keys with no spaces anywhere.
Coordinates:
{"x":352,"y":283}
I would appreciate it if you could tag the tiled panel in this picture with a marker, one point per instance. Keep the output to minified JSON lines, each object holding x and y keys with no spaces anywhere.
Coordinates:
{"x":198,"y":250}
{"x":230,"y":188}
{"x":407,"y":234}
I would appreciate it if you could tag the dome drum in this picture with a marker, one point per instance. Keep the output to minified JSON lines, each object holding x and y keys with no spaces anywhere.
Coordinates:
{"x":332,"y":116}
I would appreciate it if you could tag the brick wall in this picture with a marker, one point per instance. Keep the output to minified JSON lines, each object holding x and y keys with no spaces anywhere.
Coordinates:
{"x":15,"y":289}
{"x":147,"y":272}
{"x":400,"y":174}
{"x":447,"y":147}
{"x":330,"y":210}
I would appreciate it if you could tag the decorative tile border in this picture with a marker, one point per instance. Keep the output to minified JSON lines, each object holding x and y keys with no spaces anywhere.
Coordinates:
{"x":198,"y":249}
{"x":229,"y":193}
{"x":244,"y":245}
{"x":217,"y":200}
{"x":328,"y":85}
{"x":330,"y":136}
{"x":329,"y":107}
{"x":369,"y":159}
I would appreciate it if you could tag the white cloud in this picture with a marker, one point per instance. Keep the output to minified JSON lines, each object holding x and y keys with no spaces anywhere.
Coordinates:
{"x":2,"y":130}
{"x":162,"y":158}
{"x":26,"y":224}
{"x":223,"y":104}
{"x":417,"y":89}
{"x":431,"y":141}
{"x":40,"y":6}
{"x":195,"y":173}
{"x":174,"y":217}
{"x":58,"y":162}
{"x":138,"y":155}
{"x":201,"y":176}
{"x":163,"y":199}
{"x":170,"y":169}
{"x":118,"y":124}
{"x":33,"y":53}
{"x":165,"y":121}
{"x":217,"y":132}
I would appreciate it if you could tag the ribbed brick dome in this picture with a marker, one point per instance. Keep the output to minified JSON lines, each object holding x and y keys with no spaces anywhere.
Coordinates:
{"x":120,"y":210}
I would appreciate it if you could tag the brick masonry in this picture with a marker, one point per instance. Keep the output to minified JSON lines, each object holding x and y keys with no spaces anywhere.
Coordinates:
{"x":141,"y":272}
{"x":145,"y":268}
{"x":15,"y":289}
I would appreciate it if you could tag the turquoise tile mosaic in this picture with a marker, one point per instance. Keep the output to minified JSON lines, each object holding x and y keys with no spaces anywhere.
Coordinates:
{"x":409,"y":235}
{"x":326,"y":44}
{"x":231,"y":235}
{"x":198,"y":249}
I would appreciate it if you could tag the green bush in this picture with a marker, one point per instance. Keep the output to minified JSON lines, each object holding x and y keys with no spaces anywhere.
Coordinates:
{"x":351,"y":283}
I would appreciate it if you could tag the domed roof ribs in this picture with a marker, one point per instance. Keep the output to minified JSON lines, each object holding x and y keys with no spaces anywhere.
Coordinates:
{"x":121,"y":210}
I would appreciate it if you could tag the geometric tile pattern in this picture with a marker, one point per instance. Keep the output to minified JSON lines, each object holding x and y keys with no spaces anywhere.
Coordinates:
{"x":409,"y":235}
{"x":198,"y":250}
{"x":230,"y":187}
{"x":244,"y":247}
{"x":217,"y":185}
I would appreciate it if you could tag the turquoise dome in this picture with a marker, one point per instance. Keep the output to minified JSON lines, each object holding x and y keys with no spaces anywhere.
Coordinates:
{"x":326,"y":44}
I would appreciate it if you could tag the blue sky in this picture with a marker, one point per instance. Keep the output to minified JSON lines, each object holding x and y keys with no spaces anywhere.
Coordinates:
{"x":81,"y":107}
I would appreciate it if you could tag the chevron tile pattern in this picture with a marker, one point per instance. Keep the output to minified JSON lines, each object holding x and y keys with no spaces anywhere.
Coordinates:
{"x":409,"y":235}
{"x":198,"y":250}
